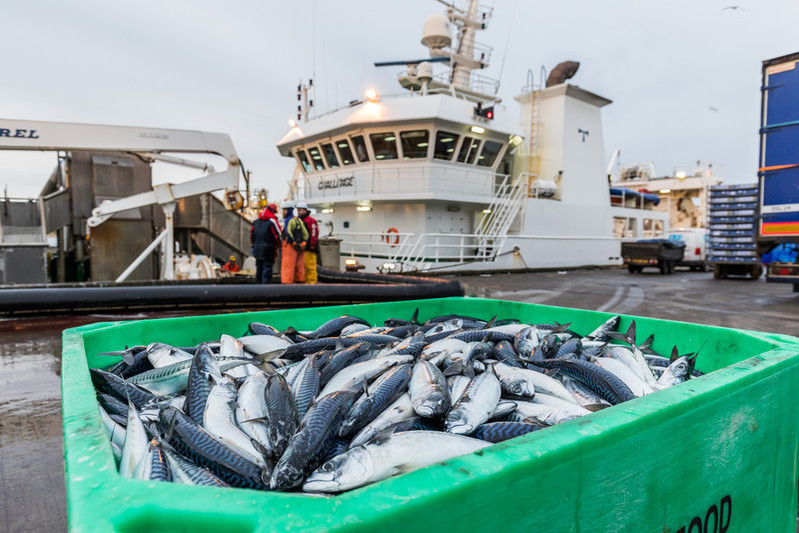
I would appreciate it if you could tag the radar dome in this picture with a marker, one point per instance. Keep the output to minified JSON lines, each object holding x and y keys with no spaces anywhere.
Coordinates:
{"x":435,"y":31}
{"x":424,"y":71}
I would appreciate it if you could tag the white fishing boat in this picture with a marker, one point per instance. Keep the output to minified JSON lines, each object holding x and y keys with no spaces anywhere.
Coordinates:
{"x":444,"y":178}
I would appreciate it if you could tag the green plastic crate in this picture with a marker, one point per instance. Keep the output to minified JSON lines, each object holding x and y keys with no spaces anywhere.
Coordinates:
{"x":717,"y":453}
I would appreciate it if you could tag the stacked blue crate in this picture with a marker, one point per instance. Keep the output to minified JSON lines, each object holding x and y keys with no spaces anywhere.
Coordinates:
{"x":733,"y":232}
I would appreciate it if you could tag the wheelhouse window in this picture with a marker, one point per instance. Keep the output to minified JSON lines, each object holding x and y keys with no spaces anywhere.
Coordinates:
{"x":414,"y":144}
{"x":468,"y":151}
{"x":489,"y":154}
{"x":316,"y":158}
{"x":445,"y":145}
{"x":306,"y":165}
{"x":384,"y":145}
{"x":360,"y":148}
{"x":345,"y":152}
{"x":330,"y":155}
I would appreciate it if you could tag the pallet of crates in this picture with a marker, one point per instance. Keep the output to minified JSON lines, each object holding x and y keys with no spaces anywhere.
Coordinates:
{"x":732,"y":235}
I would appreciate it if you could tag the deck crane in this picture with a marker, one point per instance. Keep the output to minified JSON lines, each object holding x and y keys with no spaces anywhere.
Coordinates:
{"x":150,"y":144}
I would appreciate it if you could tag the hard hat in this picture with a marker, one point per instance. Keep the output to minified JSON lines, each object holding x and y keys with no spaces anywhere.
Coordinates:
{"x":288,"y":204}
{"x":232,"y":258}
{"x":302,"y":205}
{"x":272,"y":208}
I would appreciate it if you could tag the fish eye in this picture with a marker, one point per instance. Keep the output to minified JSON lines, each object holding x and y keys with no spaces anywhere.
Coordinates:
{"x":327,"y":467}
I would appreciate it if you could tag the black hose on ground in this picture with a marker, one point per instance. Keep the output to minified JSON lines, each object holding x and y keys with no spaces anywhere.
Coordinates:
{"x":50,"y":300}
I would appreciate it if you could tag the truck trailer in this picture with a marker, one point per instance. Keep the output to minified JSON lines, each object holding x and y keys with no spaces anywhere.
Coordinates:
{"x":778,"y":171}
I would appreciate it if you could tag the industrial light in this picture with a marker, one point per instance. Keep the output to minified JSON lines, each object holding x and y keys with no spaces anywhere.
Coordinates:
{"x":680,"y":175}
{"x":477,"y":129}
{"x":352,"y":265}
{"x":292,"y":123}
{"x":447,"y":140}
{"x":371,"y":95}
{"x":388,"y":267}
{"x":389,"y":139}
{"x":327,"y":210}
{"x":363,"y":208}
{"x":515,"y":140}
{"x":485,"y":112}
{"x":486,"y":211}
{"x":665,"y":191}
{"x":423,"y":145}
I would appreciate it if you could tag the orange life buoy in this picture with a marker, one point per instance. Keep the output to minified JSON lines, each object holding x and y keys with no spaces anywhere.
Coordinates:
{"x":387,"y":237}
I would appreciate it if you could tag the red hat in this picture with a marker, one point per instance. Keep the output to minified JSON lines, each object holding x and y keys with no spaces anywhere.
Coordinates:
{"x":272,"y":208}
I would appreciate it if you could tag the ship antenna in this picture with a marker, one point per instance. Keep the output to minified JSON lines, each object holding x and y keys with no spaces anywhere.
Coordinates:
{"x":507,"y":42}
{"x":313,"y":53}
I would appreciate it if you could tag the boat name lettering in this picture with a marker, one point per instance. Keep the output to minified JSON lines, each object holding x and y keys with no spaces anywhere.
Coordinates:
{"x":717,"y":516}
{"x":335,"y":183}
{"x":153,"y":135}
{"x":20,"y":134}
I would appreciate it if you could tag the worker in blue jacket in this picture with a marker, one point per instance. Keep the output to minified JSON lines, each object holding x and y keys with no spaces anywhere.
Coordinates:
{"x":265,"y":240}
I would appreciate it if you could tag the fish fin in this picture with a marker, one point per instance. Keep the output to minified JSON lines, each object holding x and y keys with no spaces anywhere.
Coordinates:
{"x":356,"y":387}
{"x":365,"y":389}
{"x":648,"y":342}
{"x":691,"y":364}
{"x":594,"y":407}
{"x":490,"y":323}
{"x":405,"y":468}
{"x":415,"y":317}
{"x":561,"y":327}
{"x":618,"y":336}
{"x":675,"y":354}
{"x":260,"y":447}
{"x":486,"y":337}
{"x":454,"y":369}
{"x":171,"y":428}
{"x":468,"y":371}
{"x":382,"y":435}
{"x":700,"y":348}
{"x":552,"y":372}
{"x":631,"y":333}
{"x":534,"y":420}
{"x":268,"y":369}
{"x":256,"y":419}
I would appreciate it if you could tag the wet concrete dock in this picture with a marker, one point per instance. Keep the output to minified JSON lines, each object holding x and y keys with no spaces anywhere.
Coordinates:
{"x":31,"y":466}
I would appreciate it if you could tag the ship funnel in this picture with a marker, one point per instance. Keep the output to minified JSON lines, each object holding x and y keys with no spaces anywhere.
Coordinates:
{"x":562,"y":72}
{"x":435,"y":32}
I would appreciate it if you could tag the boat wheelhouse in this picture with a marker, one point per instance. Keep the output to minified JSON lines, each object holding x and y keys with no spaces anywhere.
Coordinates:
{"x":444,"y":177}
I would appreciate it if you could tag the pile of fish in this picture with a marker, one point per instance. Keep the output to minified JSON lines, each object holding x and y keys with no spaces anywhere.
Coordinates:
{"x":349,"y":404}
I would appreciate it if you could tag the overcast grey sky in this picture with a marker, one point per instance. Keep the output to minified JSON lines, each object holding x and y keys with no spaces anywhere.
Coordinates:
{"x":684,"y":75}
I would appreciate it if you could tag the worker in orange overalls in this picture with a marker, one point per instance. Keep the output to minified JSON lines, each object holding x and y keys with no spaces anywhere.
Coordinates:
{"x":231,"y":265}
{"x":295,"y":241}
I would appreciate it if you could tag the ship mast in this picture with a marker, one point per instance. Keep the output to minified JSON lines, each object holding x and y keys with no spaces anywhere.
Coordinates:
{"x":464,"y":55}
